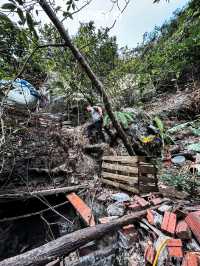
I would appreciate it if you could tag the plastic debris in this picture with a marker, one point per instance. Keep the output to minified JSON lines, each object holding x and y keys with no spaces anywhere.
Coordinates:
{"x":120,"y":197}
{"x":116,"y":209}
{"x":180,"y":160}
{"x":20,"y":93}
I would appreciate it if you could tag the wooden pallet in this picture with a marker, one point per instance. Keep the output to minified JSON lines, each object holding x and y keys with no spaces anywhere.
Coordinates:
{"x":132,"y":173}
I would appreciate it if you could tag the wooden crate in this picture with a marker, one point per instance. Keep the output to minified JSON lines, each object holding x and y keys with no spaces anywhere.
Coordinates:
{"x":132,"y":173}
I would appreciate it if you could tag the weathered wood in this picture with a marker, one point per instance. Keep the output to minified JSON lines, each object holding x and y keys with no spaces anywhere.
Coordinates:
{"x":121,"y":168}
{"x":147,"y":179}
{"x":70,"y":242}
{"x":145,"y":168}
{"x":119,"y":185}
{"x":25,"y":194}
{"x":123,"y":178}
{"x":122,"y":159}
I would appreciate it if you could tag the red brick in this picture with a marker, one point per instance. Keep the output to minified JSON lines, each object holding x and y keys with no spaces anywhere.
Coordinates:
{"x":156,"y":201}
{"x":190,"y":259}
{"x":142,"y":202}
{"x":183,"y":230}
{"x":193,"y":221}
{"x":134,"y":207}
{"x":128,"y":229}
{"x":174,"y":247}
{"x":80,"y":206}
{"x":169,"y":222}
{"x":149,"y":253}
{"x":150,"y":216}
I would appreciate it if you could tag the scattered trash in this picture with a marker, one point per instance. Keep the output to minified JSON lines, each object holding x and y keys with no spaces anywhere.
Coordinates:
{"x":180,"y":160}
{"x":120,"y":197}
{"x":116,"y":209}
{"x":20,"y":93}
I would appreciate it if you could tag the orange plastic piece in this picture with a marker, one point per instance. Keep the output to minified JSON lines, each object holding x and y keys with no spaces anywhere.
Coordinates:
{"x":80,"y":206}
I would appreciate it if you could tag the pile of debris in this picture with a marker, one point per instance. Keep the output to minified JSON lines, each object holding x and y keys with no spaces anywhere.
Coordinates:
{"x":169,"y":234}
{"x":39,"y":149}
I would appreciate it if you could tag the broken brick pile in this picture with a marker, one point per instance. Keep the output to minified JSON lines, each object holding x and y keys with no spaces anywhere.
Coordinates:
{"x":171,"y":232}
{"x":168,"y":235}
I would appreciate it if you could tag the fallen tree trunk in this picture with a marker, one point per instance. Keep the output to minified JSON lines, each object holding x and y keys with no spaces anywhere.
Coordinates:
{"x":68,"y":243}
{"x":85,"y":66}
{"x":47,"y":192}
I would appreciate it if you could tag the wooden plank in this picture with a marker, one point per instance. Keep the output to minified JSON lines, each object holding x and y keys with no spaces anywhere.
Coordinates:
{"x":122,"y":159}
{"x":121,"y":168}
{"x":125,"y":179}
{"x":147,"y":179}
{"x":147,"y":169}
{"x":119,"y":185}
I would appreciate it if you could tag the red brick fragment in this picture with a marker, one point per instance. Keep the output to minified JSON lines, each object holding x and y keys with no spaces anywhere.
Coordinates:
{"x":128,"y":229}
{"x":174,"y":247}
{"x":183,"y":230}
{"x":169,"y":222}
{"x":107,"y":219}
{"x":193,"y":221}
{"x":149,"y":253}
{"x":156,"y":201}
{"x":190,"y":259}
{"x":80,"y":206}
{"x":150,"y":216}
{"x":142,"y":202}
{"x":134,"y":207}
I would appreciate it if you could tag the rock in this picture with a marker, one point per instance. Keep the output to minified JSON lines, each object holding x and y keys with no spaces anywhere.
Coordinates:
{"x":116,"y":209}
{"x":120,"y":197}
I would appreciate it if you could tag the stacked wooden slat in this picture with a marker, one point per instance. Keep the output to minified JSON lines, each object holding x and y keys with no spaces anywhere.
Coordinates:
{"x":131,"y":173}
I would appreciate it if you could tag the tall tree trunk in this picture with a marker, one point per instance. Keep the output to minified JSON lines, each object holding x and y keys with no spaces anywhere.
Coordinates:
{"x":82,"y":61}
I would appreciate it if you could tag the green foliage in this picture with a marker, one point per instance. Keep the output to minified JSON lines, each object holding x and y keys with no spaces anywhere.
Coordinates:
{"x":166,"y":139}
{"x":124,"y":118}
{"x":185,"y":182}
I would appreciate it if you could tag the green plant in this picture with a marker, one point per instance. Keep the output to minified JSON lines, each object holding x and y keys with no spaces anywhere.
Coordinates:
{"x":185,"y":182}
{"x":166,"y":139}
{"x":124,"y":118}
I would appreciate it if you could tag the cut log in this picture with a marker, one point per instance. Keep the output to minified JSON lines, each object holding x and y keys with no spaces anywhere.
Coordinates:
{"x":68,"y":243}
{"x":47,"y":192}
{"x":121,"y":168}
{"x":123,"y":178}
{"x":119,"y":185}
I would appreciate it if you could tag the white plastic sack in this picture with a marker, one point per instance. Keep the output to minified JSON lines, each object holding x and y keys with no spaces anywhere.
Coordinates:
{"x":21,"y":94}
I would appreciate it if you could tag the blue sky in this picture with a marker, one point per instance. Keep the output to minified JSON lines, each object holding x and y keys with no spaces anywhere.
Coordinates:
{"x":139,"y":17}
